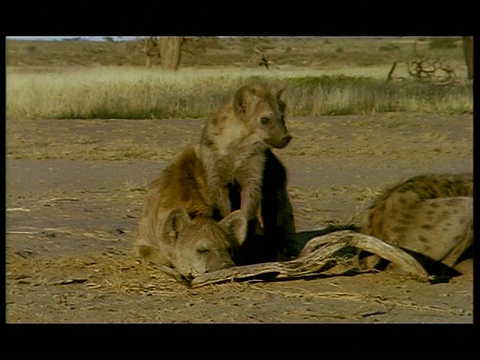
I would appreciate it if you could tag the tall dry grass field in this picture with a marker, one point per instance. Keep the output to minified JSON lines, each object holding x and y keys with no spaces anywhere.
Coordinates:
{"x":338,"y":76}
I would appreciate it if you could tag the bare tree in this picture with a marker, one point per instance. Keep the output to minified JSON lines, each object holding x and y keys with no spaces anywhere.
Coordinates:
{"x":149,"y":46}
{"x":170,"y":48}
{"x":468,"y":51}
{"x":264,"y":59}
{"x":167,"y":48}
{"x":425,"y":68}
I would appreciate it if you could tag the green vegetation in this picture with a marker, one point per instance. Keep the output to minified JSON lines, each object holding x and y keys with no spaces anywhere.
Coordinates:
{"x":82,"y":80}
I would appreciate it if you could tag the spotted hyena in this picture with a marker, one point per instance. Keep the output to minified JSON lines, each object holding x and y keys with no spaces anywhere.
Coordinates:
{"x":178,"y":227}
{"x":430,"y":216}
{"x":243,"y":173}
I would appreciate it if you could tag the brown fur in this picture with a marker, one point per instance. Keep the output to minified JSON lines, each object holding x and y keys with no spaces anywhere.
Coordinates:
{"x":241,"y":170}
{"x":430,"y":215}
{"x":177,"y":227}
{"x":183,"y":184}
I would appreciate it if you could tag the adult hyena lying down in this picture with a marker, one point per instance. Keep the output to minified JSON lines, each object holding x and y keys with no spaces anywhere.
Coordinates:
{"x":242,"y":172}
{"x":430,"y":216}
{"x":178,"y":228}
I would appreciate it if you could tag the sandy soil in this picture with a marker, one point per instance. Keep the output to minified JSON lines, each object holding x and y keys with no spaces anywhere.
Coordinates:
{"x":75,"y":189}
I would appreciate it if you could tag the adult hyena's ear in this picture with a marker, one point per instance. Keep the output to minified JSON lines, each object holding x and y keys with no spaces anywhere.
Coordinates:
{"x":242,"y":100}
{"x":175,"y":222}
{"x":235,"y":224}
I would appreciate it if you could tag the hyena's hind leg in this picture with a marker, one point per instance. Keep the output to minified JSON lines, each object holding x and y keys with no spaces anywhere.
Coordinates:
{"x":440,"y":230}
{"x":459,"y":229}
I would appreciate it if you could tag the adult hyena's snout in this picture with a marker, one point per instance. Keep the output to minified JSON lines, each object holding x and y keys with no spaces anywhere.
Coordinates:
{"x":219,"y":264}
{"x":208,"y":246}
{"x":208,"y":263}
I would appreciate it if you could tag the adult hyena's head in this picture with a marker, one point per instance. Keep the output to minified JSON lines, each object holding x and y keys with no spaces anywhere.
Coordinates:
{"x":264,"y":113}
{"x":202,"y":245}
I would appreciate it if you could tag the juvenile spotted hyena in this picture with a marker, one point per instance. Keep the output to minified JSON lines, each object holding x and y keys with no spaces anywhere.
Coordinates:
{"x":243,"y":173}
{"x":428,"y":215}
{"x":178,"y":227}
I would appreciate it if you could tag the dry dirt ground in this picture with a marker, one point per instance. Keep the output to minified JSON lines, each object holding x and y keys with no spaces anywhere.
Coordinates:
{"x":75,"y":188}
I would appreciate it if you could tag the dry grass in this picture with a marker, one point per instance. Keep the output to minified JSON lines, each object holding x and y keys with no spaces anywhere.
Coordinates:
{"x":109,"y":151}
{"x":107,"y":272}
{"x":324,"y":76}
{"x":138,"y":93}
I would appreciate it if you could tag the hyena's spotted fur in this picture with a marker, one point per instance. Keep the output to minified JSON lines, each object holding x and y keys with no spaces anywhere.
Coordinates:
{"x":430,"y":215}
{"x":243,"y":173}
{"x":178,"y":226}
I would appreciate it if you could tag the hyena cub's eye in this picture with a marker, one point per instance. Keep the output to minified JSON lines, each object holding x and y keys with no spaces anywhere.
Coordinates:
{"x":264,"y":120}
{"x":202,"y":250}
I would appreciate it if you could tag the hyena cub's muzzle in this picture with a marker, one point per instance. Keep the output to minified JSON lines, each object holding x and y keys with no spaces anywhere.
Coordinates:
{"x":284,"y":141}
{"x":277,"y":134}
{"x":279,"y":141}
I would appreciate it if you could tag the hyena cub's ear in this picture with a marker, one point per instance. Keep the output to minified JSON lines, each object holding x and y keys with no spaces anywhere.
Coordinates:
{"x":176,"y":221}
{"x":241,"y":101}
{"x":280,"y":98}
{"x":279,"y":94}
{"x":235,"y":224}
